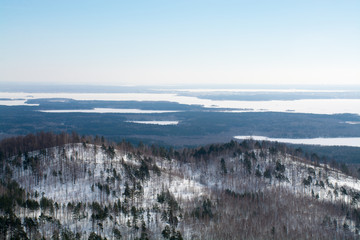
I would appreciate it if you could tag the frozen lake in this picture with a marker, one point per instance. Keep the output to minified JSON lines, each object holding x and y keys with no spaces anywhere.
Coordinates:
{"x":349,"y":141}
{"x":193,"y":115}
{"x":156,"y":122}
{"x":315,"y":106}
{"x":16,"y":103}
{"x":107,"y":110}
{"x":255,"y":90}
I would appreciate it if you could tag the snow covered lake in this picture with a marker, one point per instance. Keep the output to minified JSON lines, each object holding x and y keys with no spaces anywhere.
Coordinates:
{"x":156,"y":122}
{"x":315,"y":106}
{"x":106,"y":110}
{"x":348,"y":141}
{"x":15,"y":102}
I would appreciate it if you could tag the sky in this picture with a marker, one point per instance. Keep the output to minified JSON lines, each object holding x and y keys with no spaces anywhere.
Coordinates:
{"x":153,"y":42}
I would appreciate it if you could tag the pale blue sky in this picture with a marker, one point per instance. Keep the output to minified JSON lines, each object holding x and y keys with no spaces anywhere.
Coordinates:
{"x":173,"y":42}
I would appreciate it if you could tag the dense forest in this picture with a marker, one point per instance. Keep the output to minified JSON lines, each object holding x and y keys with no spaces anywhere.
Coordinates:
{"x":67,"y":186}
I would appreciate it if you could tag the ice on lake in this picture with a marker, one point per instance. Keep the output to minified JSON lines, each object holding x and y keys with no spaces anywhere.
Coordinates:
{"x":106,"y":110}
{"x":156,"y":122}
{"x":314,"y":106}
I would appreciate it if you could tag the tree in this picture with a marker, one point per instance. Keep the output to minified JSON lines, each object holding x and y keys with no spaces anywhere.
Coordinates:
{"x":127,"y":191}
{"x":280,"y":167}
{"x":3,"y":227}
{"x":117,"y":233}
{"x":15,"y":228}
{"x":247,"y":164}
{"x":223,"y":166}
{"x":166,"y":232}
{"x":31,"y":225}
{"x":267,"y":173}
{"x":32,"y":204}
{"x":94,"y":236}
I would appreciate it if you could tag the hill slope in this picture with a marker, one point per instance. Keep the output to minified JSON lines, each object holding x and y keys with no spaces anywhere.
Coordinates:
{"x":247,"y":190}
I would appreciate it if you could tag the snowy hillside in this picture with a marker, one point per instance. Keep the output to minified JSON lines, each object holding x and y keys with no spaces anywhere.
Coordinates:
{"x":221,"y":191}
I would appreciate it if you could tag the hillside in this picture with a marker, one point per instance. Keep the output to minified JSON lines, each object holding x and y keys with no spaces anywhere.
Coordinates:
{"x":67,"y":187}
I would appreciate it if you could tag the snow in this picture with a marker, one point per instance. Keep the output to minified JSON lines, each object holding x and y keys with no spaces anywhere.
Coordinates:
{"x":16,"y":103}
{"x":155,"y":122}
{"x":293,"y":90}
{"x":352,"y":122}
{"x":107,"y":110}
{"x":98,"y":163}
{"x":315,"y":106}
{"x":342,"y":180}
{"x":187,"y":182}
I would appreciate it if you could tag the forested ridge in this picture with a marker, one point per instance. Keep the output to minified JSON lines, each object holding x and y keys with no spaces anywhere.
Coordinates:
{"x":66,"y":186}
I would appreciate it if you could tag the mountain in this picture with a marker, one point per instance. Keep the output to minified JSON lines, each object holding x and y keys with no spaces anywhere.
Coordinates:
{"x":69,"y":187}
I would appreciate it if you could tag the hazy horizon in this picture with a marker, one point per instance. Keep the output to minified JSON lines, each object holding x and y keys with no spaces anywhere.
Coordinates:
{"x":314,"y":86}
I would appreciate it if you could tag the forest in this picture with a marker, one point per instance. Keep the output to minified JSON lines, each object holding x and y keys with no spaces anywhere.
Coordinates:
{"x":67,"y":186}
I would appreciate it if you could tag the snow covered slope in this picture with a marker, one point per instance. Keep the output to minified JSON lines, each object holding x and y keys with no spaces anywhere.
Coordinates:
{"x":84,"y":189}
